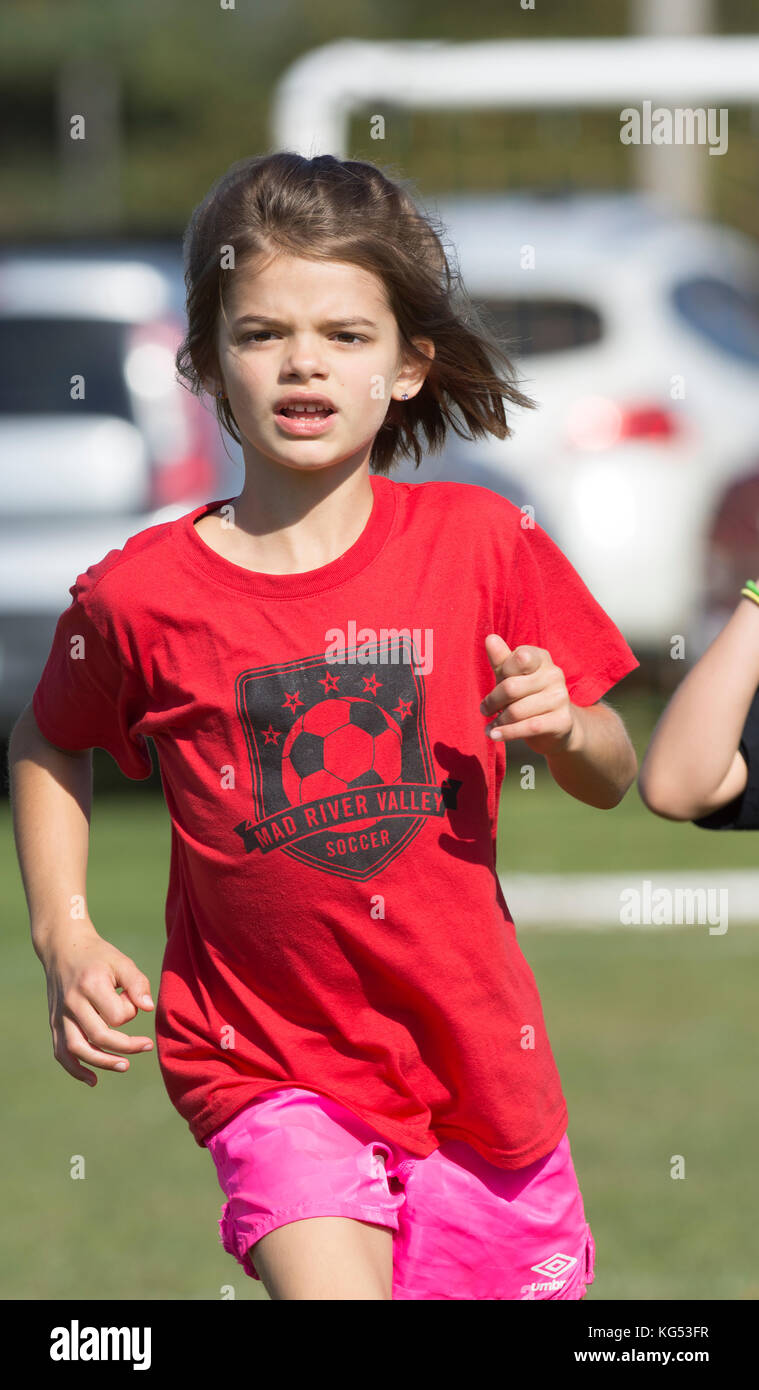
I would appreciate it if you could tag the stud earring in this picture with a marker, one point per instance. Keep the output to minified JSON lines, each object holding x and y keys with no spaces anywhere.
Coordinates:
{"x":404,"y":397}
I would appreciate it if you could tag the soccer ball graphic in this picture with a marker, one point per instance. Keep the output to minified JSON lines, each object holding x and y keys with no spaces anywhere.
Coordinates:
{"x":339,"y":745}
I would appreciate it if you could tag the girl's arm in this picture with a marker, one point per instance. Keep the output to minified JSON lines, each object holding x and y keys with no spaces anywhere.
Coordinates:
{"x":51,"y":802}
{"x":598,"y":763}
{"x":51,"y":797}
{"x":587,"y":748}
{"x":692,"y":764}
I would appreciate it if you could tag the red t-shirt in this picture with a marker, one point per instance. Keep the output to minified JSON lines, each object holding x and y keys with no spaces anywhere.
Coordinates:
{"x":334,"y":918}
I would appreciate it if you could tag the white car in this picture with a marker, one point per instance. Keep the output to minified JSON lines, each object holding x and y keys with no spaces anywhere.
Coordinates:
{"x":637,"y":331}
{"x":97,"y":439}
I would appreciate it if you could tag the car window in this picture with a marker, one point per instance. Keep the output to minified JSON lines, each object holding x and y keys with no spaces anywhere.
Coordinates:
{"x":39,"y":356}
{"x":543,"y":325}
{"x":725,"y":314}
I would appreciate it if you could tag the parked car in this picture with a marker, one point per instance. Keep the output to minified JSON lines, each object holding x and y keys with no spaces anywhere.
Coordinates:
{"x":97,"y":438}
{"x":732,"y":555}
{"x":637,"y":331}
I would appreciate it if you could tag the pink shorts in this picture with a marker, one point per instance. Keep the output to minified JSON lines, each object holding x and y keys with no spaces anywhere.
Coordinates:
{"x":462,"y":1228}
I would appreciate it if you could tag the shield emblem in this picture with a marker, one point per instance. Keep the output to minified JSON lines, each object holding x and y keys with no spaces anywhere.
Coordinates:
{"x":341,"y":771}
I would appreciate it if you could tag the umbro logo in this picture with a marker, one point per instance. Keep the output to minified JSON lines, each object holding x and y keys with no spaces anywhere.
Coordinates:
{"x":551,"y":1269}
{"x":555,"y":1265}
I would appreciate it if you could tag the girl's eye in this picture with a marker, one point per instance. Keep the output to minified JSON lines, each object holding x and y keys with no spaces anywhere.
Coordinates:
{"x":267,"y":333}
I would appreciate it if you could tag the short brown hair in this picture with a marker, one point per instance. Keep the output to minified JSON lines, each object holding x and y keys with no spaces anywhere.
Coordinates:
{"x":350,"y":210}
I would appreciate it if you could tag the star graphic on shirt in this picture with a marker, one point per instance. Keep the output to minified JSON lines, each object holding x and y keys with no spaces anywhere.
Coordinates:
{"x":329,"y":683}
{"x":402,"y":708}
{"x":371,"y":684}
{"x":271,"y":734}
{"x":291,"y":702}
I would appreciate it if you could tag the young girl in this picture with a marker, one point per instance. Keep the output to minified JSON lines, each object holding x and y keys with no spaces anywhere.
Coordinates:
{"x":330,"y":666}
{"x":718,"y":790}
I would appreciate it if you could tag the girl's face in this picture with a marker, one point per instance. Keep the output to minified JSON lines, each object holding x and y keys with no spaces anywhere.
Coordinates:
{"x":320,"y":327}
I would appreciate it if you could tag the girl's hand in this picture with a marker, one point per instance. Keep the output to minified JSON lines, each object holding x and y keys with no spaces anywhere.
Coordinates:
{"x":532,"y":695}
{"x":83,"y":972}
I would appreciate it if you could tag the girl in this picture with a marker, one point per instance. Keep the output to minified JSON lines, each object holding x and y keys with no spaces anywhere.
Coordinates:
{"x":718,"y":790}
{"x":345,"y":1019}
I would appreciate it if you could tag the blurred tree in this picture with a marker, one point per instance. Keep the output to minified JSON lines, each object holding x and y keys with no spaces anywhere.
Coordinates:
{"x":190,"y":86}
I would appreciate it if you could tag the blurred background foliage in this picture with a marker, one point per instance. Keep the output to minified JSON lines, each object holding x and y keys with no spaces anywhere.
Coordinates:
{"x":177,"y":102}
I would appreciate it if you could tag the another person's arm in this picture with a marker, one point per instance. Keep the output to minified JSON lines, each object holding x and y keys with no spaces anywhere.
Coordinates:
{"x":693,"y":765}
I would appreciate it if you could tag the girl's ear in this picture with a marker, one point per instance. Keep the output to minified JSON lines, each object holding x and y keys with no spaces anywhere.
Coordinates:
{"x":425,"y":345}
{"x":415,"y":373}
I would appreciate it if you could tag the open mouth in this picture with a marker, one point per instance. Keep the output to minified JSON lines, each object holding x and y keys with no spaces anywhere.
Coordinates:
{"x":307,"y":422}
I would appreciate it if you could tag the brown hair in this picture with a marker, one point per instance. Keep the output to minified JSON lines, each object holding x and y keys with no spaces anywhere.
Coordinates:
{"x":350,"y":210}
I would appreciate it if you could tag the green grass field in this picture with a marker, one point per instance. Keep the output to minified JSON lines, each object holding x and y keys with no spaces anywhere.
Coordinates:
{"x":653,"y":1032}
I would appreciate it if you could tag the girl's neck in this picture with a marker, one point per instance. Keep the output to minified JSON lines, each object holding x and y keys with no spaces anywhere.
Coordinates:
{"x":293,"y":532}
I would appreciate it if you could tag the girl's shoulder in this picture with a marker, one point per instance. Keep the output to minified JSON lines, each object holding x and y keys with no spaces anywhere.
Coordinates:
{"x":114,"y":585}
{"x":459,"y":498}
